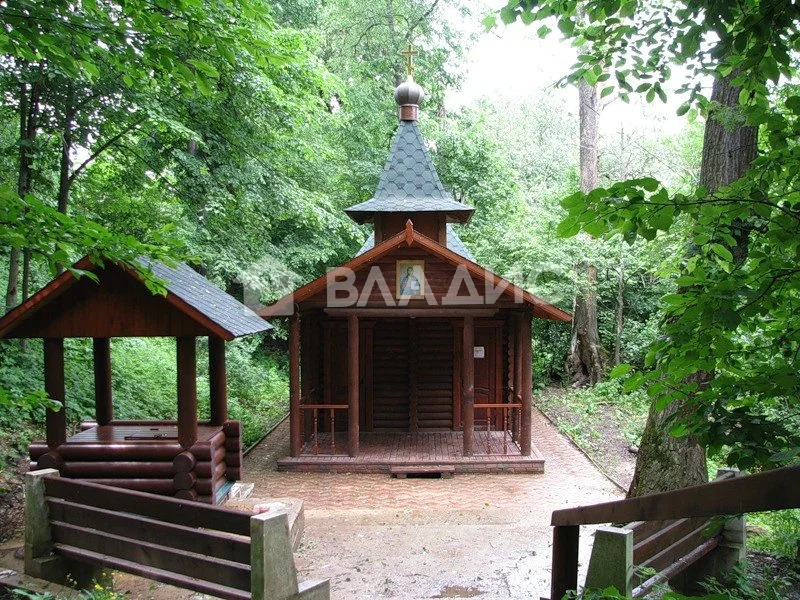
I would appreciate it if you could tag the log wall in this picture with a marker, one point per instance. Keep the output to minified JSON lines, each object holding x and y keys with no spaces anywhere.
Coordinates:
{"x":158,"y":467}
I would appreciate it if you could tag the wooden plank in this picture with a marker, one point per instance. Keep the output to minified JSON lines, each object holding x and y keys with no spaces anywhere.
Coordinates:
{"x":208,"y":543}
{"x":215,"y":570}
{"x":388,"y":313}
{"x":413,"y":392}
{"x":770,"y":490}
{"x":103,"y":403}
{"x":164,"y":576}
{"x":55,"y":421}
{"x":179,"y":512}
{"x":679,"y":548}
{"x":645,"y":549}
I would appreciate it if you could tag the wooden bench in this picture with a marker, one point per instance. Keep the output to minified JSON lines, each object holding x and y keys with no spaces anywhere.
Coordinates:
{"x":444,"y":471}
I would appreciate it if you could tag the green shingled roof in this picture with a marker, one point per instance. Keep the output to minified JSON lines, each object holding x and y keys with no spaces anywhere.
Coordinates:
{"x":454,"y":243}
{"x":409,"y":182}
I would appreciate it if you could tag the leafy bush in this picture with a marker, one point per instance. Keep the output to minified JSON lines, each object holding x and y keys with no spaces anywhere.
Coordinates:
{"x":782,"y":529}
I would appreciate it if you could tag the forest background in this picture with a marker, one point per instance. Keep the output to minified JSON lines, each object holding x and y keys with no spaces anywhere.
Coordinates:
{"x":235,"y":138}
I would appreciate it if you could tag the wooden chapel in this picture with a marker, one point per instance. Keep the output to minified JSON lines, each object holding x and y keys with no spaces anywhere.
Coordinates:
{"x":411,"y":356}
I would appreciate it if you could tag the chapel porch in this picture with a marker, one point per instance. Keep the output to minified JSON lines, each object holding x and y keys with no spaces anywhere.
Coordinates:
{"x":493,"y":452}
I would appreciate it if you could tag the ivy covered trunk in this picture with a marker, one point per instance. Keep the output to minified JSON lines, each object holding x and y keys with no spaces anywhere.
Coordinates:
{"x":585,"y":359}
{"x":664,"y":461}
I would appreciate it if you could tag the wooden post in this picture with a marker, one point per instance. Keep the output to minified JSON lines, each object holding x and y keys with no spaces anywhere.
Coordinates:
{"x":38,"y":537}
{"x":55,"y":421}
{"x":187,"y":391}
{"x":527,"y":386}
{"x":217,"y":380}
{"x":468,"y":383}
{"x":564,"y":576}
{"x":273,"y":575}
{"x":103,"y":404}
{"x":295,"y":441}
{"x":518,"y":352}
{"x":352,"y":385}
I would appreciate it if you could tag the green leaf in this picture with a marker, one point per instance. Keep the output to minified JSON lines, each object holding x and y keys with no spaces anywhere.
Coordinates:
{"x":606,"y":91}
{"x":489,"y":21}
{"x":543,"y":31}
{"x":722,"y":252}
{"x":620,"y":370}
{"x":568,"y":228}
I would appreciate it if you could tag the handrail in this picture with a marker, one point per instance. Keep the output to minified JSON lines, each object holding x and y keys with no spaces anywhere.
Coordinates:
{"x":331,"y":408}
{"x":505,"y":407}
{"x":770,"y":490}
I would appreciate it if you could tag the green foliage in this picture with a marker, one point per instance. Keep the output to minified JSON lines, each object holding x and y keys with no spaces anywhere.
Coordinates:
{"x":782,"y":532}
{"x":734,"y":313}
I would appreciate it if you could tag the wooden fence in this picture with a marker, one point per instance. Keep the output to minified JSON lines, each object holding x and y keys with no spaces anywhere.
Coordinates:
{"x":73,"y":527}
{"x":771,"y":490}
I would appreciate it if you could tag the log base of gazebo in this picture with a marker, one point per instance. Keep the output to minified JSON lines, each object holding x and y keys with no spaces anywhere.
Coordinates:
{"x":382,"y":452}
{"x":146,"y":456}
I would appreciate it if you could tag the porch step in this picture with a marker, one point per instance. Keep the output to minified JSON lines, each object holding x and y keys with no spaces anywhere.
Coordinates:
{"x":402,"y":471}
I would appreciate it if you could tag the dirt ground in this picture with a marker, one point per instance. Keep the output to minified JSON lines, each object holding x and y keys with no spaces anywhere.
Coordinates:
{"x":472,"y":536}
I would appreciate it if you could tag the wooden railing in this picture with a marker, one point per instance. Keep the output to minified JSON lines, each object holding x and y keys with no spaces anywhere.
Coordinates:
{"x":331,"y":413}
{"x":73,"y":528}
{"x":771,"y":490}
{"x":509,"y":420}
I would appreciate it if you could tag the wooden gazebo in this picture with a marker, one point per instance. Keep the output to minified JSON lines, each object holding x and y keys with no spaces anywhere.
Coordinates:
{"x":411,"y":356}
{"x":185,"y":458}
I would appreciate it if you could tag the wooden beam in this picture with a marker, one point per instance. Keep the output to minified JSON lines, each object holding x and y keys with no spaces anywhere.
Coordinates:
{"x":413,"y":394}
{"x":295,"y":442}
{"x":468,"y":383}
{"x":770,"y":490}
{"x":103,"y":403}
{"x":527,"y":386}
{"x":217,"y":380}
{"x":412,"y":312}
{"x":187,"y":391}
{"x":352,"y":385}
{"x":56,"y":421}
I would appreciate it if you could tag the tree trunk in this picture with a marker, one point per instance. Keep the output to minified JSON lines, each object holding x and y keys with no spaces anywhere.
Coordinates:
{"x":585,"y":360}
{"x":665,"y":462}
{"x":620,"y":317}
{"x":28,"y":116}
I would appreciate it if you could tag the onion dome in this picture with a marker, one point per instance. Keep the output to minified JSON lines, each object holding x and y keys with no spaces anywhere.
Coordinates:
{"x":408,"y":96}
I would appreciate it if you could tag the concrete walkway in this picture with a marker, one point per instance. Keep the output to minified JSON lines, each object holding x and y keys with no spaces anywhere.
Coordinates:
{"x":472,"y":536}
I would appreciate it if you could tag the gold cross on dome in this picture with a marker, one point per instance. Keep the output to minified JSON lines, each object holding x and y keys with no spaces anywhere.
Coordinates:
{"x":409,"y":54}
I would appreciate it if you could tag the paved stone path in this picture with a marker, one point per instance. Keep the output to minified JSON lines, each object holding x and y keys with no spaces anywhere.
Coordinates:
{"x":481,"y":536}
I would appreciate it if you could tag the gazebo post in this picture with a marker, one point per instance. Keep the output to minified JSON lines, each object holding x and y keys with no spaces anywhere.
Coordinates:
{"x":527,"y":385}
{"x":468,"y":383}
{"x":56,"y":421}
{"x":187,"y":391}
{"x":103,"y":401}
{"x":217,"y":380}
{"x":352,"y":385}
{"x":295,"y":441}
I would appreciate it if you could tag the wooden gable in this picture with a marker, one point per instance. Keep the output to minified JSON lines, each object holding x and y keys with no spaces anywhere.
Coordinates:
{"x":475,"y":286}
{"x":119,"y":306}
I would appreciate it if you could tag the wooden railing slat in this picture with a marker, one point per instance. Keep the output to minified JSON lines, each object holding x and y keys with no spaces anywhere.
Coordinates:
{"x":771,"y":490}
{"x":209,"y":543}
{"x":134,"y":568}
{"x":660,"y":540}
{"x":226,"y":573}
{"x":173,"y":510}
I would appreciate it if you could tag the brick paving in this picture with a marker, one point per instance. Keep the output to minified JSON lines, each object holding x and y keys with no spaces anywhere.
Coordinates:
{"x":475,"y":535}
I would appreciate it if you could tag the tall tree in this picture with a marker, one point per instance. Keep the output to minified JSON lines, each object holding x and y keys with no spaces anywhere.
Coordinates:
{"x":585,"y":357}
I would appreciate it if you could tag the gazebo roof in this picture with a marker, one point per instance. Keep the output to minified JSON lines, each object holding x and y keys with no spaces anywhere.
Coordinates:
{"x":120,"y":305}
{"x":409,"y":182}
{"x":454,"y":243}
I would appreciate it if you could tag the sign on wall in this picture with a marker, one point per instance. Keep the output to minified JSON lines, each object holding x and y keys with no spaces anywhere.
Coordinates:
{"x":478,"y":352}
